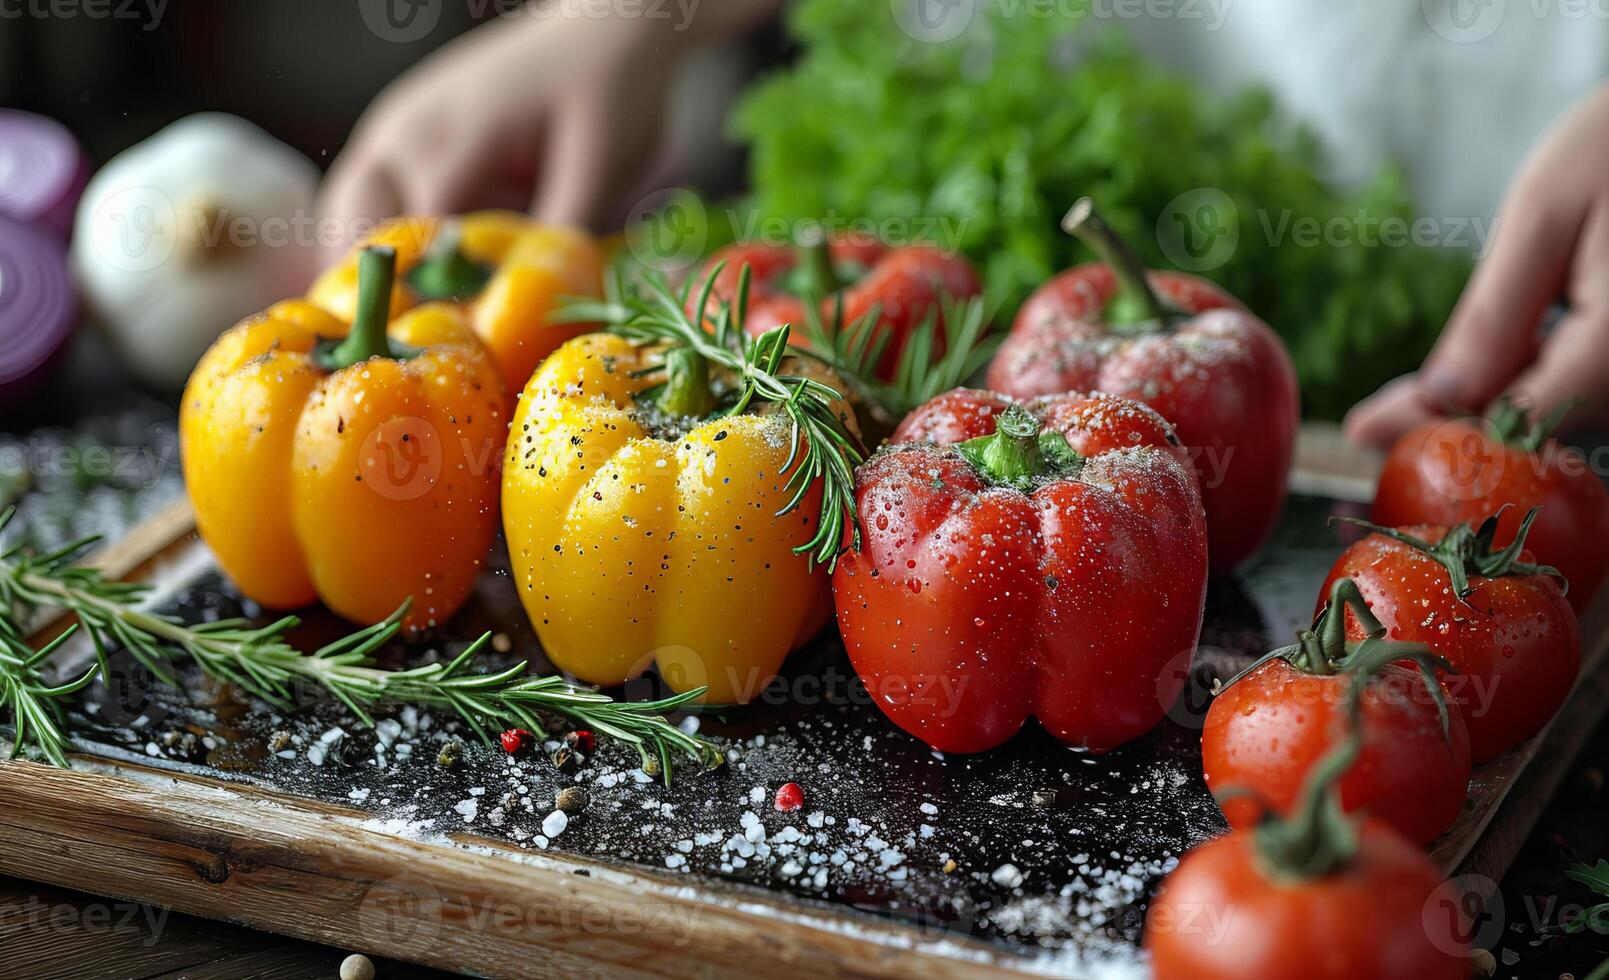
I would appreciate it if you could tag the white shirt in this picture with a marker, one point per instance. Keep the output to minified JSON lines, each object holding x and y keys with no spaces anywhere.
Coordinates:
{"x":1456,"y":91}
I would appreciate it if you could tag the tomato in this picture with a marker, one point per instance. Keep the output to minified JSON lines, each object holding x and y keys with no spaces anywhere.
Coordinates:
{"x":1460,"y":471}
{"x":902,"y":285}
{"x":1045,"y":558}
{"x":1500,"y":620}
{"x":1214,"y":370}
{"x":1384,"y":914}
{"x":1267,"y":729}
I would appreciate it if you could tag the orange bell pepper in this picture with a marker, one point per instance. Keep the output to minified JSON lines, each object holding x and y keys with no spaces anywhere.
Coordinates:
{"x":356,"y":466}
{"x":506,"y":271}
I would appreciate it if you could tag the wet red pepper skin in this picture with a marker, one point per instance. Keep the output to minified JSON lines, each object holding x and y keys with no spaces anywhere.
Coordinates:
{"x":969,"y":607}
{"x":904,"y":283}
{"x":1221,"y":377}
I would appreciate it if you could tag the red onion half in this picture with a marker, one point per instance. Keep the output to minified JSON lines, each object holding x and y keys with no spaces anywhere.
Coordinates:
{"x":38,"y":309}
{"x":42,"y":171}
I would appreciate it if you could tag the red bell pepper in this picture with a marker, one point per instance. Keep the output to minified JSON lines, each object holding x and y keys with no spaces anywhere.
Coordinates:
{"x":1186,"y":348}
{"x":1051,"y":566}
{"x":904,"y":284}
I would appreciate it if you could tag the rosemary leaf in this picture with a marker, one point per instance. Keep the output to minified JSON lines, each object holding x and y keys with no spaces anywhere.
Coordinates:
{"x":259,"y":660}
{"x":822,"y":451}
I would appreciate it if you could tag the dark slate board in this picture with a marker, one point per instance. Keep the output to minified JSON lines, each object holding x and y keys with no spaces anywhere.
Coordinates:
{"x":1088,"y":836}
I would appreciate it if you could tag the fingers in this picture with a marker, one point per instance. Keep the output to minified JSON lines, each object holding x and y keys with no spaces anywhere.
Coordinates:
{"x":451,"y":180}
{"x":357,"y":192}
{"x":1493,"y":332}
{"x":1384,"y":416}
{"x":575,"y":168}
{"x":1574,"y":364}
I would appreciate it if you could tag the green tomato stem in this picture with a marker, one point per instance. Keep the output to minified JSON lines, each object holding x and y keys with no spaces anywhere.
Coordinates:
{"x":1512,"y":424}
{"x":1468,"y":552}
{"x":1317,"y":838}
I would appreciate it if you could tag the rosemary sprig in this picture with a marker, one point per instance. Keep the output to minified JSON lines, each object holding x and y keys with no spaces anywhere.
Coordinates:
{"x":854,"y":350}
{"x":34,"y":705}
{"x":821,"y":449}
{"x":260,"y":661}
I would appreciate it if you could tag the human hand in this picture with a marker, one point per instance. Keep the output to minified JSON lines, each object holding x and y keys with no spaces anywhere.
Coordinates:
{"x":1552,"y":240}
{"x":553,"y":114}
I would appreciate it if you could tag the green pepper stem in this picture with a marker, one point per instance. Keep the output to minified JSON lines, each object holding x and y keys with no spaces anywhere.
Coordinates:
{"x":1017,"y":452}
{"x":816,"y":273}
{"x":446,"y":273}
{"x":1134,"y":289}
{"x":376,"y":272}
{"x":687,"y":390}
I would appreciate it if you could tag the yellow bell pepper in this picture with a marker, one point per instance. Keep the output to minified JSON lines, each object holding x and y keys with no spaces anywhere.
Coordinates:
{"x":505,"y":270}
{"x":643,"y":529}
{"x":361,"y":471}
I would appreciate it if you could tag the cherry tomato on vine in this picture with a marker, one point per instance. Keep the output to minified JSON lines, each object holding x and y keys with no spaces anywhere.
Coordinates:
{"x":1219,"y":915}
{"x":1314,"y":895}
{"x":1460,"y":471}
{"x":1501,"y":620}
{"x":1265,"y":731}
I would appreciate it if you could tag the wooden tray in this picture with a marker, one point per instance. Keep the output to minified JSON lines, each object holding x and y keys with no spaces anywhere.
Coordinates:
{"x":384,"y":859}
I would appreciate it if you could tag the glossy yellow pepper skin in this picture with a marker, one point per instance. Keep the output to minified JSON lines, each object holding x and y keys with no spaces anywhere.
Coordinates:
{"x":363,"y":486}
{"x":523,"y":268}
{"x":630,"y":547}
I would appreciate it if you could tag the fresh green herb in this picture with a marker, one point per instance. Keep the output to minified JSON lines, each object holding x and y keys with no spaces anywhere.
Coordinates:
{"x":1595,"y":877}
{"x":260,"y":661}
{"x":821,"y":451}
{"x":983,"y":142}
{"x":854,"y":351}
{"x":34,"y":705}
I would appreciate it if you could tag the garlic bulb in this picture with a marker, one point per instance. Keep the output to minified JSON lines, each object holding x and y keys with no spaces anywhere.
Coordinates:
{"x":182,"y":235}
